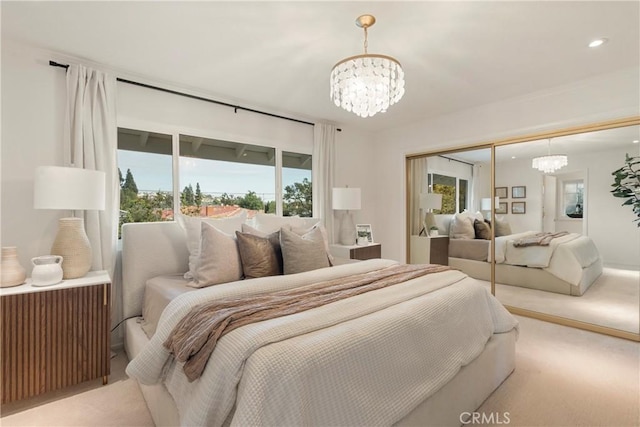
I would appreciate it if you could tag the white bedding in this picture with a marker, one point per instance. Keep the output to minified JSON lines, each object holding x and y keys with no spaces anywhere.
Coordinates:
{"x":368,"y":360}
{"x":565,"y":257}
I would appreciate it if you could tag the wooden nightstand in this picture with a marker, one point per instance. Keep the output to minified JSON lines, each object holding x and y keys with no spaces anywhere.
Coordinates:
{"x":55,"y":336}
{"x":372,"y":250}
{"x":429,"y":250}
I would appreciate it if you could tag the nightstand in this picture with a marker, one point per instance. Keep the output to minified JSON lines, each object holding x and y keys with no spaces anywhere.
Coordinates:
{"x":55,"y":336}
{"x":372,"y":250}
{"x":429,"y":250}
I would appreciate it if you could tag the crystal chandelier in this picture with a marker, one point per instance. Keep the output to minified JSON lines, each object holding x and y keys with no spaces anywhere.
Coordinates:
{"x":549,"y":163}
{"x":367,"y":84}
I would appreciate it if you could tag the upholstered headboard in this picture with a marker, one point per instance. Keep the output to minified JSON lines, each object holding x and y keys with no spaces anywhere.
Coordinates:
{"x":149,"y":249}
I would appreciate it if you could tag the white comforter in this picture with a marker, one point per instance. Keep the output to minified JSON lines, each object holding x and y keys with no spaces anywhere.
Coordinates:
{"x":367,"y":360}
{"x":565,"y":257}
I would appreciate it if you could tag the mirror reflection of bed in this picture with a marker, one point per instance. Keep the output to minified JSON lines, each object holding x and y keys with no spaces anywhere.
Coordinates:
{"x":590,"y":269}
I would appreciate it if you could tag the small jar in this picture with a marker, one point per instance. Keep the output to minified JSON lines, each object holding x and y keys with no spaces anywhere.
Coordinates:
{"x":12,"y":273}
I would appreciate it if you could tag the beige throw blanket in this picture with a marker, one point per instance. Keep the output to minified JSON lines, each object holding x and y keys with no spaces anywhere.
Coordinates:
{"x":194,"y":338}
{"x":538,"y":239}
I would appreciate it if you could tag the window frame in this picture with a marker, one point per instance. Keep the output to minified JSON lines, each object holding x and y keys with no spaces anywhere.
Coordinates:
{"x":176,"y":131}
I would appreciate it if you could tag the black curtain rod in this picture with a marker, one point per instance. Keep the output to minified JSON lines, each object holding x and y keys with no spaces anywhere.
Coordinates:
{"x":456,"y":160}
{"x":174,"y":92}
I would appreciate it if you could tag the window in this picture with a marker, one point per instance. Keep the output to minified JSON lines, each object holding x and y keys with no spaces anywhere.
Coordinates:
{"x":216,"y":177}
{"x":146,"y":179}
{"x":296,"y":184}
{"x":219,"y":177}
{"x":454,"y":192}
{"x":573,"y":198}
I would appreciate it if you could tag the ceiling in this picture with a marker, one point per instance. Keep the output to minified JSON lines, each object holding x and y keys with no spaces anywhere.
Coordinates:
{"x":277,"y":56}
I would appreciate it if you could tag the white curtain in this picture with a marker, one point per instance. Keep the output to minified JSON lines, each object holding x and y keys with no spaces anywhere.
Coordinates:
{"x":476,"y":189}
{"x":324,"y":151}
{"x":418,"y":184}
{"x":91,"y":143}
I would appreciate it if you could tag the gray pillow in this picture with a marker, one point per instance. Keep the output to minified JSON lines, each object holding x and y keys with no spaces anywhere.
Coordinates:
{"x":302,"y":253}
{"x":260,"y":256}
{"x":219,"y":259}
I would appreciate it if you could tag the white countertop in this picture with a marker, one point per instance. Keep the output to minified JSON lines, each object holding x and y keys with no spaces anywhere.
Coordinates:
{"x":91,"y":278}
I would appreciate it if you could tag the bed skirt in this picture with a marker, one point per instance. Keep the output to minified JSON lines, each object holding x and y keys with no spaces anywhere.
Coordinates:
{"x":464,"y":393}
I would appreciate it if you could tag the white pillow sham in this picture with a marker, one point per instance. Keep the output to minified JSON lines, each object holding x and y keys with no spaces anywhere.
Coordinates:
{"x":192,"y":226}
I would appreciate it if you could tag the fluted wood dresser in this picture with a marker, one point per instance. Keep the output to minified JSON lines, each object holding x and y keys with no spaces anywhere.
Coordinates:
{"x":55,"y":336}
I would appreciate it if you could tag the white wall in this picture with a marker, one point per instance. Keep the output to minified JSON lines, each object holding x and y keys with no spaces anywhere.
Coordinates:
{"x":606,"y":97}
{"x":519,"y":172}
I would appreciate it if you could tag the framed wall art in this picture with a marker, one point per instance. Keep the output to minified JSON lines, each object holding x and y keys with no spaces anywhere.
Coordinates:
{"x":518,"y":192}
{"x":518,"y":207}
{"x":502,"y":192}
{"x":502,"y":208}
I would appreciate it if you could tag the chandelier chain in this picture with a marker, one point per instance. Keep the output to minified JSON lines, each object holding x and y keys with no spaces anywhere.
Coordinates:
{"x":366,"y":40}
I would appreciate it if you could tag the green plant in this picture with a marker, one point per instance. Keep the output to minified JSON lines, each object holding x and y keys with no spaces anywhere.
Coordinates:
{"x":627,"y":184}
{"x":433,"y":227}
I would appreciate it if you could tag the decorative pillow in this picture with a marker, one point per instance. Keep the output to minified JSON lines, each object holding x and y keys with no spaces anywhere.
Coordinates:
{"x":462,"y":227}
{"x":260,"y":256}
{"x":325,"y":237}
{"x":219,"y":260}
{"x":482,"y":229}
{"x":192,"y":227}
{"x":502,"y":227}
{"x":303,"y":253}
{"x":268,"y":223}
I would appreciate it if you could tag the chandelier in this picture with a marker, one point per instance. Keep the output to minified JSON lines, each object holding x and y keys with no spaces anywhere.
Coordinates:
{"x":549,"y":163}
{"x":367,"y":84}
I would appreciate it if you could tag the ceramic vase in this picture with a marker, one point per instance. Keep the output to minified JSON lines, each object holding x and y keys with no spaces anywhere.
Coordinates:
{"x":73,"y":245}
{"x":12,"y":273}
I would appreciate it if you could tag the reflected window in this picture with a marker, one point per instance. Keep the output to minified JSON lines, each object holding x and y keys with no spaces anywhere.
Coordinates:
{"x":573,"y":198}
{"x":146,"y":179}
{"x":454,"y":192}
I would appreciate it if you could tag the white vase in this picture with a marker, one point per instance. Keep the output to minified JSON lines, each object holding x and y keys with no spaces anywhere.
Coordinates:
{"x":13,"y":274}
{"x":433,"y":233}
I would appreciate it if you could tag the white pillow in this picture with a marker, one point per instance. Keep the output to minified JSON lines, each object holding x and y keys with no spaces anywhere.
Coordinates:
{"x":219,"y":260}
{"x":462,"y":226}
{"x":193,"y":230}
{"x":269,"y":223}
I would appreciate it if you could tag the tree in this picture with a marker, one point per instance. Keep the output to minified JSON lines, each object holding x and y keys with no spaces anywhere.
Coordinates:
{"x":297,"y":199}
{"x":129,"y":189}
{"x":251,"y":201}
{"x":227,"y":200}
{"x":187,"y":197}
{"x":198,"y":197}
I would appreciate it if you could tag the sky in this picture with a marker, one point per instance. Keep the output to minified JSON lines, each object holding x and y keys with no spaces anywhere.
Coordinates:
{"x":152,"y":172}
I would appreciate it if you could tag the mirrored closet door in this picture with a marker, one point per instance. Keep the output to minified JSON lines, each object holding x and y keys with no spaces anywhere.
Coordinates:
{"x":574,"y":250}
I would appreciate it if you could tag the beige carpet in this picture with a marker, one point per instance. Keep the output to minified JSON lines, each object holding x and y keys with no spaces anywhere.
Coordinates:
{"x":613,"y":300}
{"x":563,"y":377}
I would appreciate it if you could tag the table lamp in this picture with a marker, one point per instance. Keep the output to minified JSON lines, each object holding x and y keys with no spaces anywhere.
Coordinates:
{"x":429,"y":202}
{"x":346,"y":199}
{"x":485,"y":204}
{"x":69,"y":188}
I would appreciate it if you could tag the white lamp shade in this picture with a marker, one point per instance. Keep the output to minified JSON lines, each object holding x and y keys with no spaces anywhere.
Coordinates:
{"x":430,"y":201}
{"x":346,"y":199}
{"x":485,"y":203}
{"x":66,"y":188}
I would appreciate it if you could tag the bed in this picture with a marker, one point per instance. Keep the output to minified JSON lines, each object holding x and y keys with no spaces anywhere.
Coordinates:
{"x":421,"y":352}
{"x":568,"y":265}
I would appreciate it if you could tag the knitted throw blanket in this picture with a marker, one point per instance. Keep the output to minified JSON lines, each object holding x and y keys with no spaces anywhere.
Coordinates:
{"x":194,"y":338}
{"x":538,"y":239}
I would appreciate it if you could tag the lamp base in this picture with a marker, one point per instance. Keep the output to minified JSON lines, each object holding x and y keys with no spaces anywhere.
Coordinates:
{"x":72,"y":243}
{"x":347,"y":234}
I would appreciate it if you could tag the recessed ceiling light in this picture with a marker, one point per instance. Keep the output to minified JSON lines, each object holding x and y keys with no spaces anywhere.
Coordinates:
{"x":513,"y":157}
{"x":597,"y":42}
{"x":635,"y":141}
